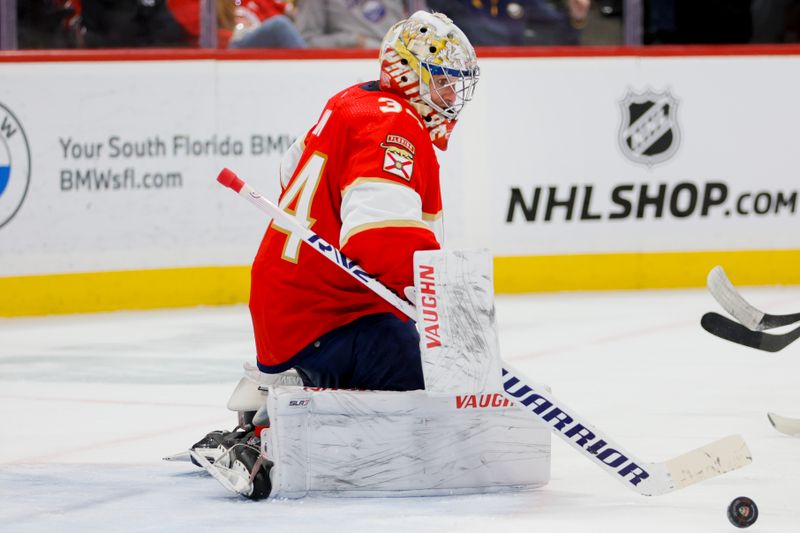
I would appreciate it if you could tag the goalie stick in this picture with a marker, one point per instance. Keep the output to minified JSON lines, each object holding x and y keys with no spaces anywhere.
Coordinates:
{"x":784,"y":424}
{"x":729,"y":298}
{"x":646,"y":478}
{"x":732,"y":331}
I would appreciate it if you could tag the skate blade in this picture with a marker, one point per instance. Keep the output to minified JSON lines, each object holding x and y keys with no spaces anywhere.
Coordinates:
{"x":180,"y":456}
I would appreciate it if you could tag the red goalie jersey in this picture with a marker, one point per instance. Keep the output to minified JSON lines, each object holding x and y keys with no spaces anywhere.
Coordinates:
{"x":366,"y":181}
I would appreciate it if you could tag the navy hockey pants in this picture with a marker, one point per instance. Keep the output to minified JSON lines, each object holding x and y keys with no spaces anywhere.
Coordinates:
{"x":374,"y":352}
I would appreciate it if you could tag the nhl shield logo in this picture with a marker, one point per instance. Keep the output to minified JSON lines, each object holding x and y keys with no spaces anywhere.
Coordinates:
{"x":649,"y":131}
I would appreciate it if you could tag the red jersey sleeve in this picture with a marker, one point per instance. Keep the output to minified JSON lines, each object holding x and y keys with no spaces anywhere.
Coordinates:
{"x":389,"y":187}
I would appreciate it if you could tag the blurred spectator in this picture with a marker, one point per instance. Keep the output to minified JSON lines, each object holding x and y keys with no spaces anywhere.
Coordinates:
{"x":660,"y":24}
{"x":187,"y":13}
{"x":610,"y":8}
{"x":775,"y":21}
{"x":45,"y":24}
{"x":697,"y":21}
{"x":129,"y":23}
{"x":521,"y":22}
{"x":714,"y":21}
{"x":350,"y":23}
{"x":241,"y":23}
{"x":792,"y":34}
{"x":265,"y":24}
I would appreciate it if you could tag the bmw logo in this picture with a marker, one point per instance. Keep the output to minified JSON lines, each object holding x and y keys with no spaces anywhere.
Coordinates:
{"x":15,"y":165}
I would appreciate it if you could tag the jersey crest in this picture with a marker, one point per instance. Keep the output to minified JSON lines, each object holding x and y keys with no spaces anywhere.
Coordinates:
{"x":398,"y":157}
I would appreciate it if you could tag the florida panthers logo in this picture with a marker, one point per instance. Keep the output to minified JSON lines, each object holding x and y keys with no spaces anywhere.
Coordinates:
{"x":15,"y":165}
{"x":649,"y":131}
{"x":398,"y":157}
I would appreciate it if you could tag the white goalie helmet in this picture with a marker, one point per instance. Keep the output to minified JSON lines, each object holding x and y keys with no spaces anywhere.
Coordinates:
{"x":429,"y":61}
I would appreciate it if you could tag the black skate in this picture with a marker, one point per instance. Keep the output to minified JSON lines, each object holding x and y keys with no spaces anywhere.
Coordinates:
{"x":246,"y":459}
{"x":241,"y":467}
{"x":234,"y":459}
{"x":217,"y":443}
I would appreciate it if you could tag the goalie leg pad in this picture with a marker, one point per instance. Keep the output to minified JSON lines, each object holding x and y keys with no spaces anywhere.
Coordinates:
{"x":385,"y":443}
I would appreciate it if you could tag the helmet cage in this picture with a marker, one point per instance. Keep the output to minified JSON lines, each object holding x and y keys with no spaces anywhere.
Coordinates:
{"x":447,"y":90}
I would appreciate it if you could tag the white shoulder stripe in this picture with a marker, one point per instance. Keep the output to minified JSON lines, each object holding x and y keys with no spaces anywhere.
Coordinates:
{"x":375,"y":202}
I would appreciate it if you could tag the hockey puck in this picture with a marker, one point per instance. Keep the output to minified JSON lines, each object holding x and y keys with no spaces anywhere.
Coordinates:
{"x":742,"y":512}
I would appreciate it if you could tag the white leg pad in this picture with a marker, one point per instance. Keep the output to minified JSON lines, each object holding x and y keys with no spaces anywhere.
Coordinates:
{"x":383,"y":443}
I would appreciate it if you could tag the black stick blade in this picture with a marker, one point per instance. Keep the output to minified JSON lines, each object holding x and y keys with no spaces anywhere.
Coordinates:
{"x":732,"y":331}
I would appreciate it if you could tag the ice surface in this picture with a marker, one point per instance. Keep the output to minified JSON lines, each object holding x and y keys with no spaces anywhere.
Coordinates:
{"x":90,"y":403}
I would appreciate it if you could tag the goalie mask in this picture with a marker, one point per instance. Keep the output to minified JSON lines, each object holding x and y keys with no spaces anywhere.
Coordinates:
{"x":430,"y":62}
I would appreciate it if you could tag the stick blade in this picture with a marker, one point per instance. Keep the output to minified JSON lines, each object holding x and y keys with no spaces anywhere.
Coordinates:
{"x":714,"y":459}
{"x":729,"y":330}
{"x":787,"y":426}
{"x":723,"y":291}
